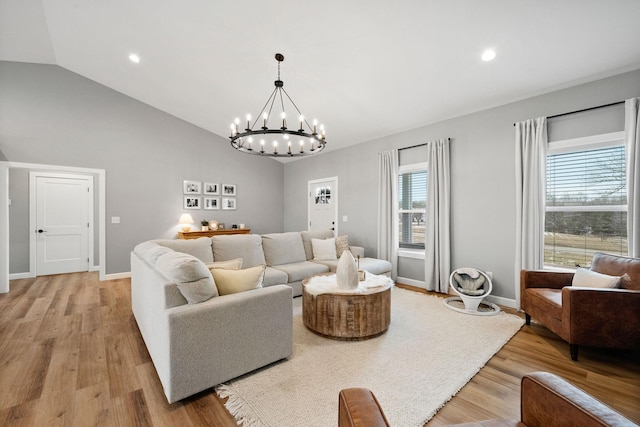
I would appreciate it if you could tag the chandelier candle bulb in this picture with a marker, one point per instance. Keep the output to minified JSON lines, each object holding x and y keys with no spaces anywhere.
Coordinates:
{"x":264,"y":120}
{"x":248,"y":121}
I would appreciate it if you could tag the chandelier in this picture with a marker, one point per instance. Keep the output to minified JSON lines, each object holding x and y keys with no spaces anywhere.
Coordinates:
{"x":280,"y":140}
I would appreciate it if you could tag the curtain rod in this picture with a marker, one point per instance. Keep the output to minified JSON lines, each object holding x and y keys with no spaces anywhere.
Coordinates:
{"x":417,"y":145}
{"x":583,"y":110}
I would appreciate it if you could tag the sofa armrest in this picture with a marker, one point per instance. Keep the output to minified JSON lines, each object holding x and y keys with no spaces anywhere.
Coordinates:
{"x":544,"y":279}
{"x":357,"y":250}
{"x":601,"y":316}
{"x":358,"y":407}
{"x":548,"y":400}
{"x":225,"y":337}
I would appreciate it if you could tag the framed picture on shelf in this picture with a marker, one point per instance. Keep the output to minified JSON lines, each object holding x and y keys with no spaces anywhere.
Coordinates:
{"x":191,"y":187}
{"x":228,"y":204}
{"x":191,"y":202}
{"x":211,"y":189}
{"x":229,"y":190}
{"x":211,"y":203}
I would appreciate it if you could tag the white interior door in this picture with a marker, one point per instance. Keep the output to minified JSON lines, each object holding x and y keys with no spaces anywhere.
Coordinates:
{"x":323,"y":204}
{"x":63,"y":217}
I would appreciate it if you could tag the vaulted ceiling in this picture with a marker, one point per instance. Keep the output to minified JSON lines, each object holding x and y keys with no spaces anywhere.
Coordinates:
{"x":365,"y":68}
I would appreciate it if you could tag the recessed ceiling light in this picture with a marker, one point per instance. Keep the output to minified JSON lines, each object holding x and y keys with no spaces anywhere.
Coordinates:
{"x":134,"y":58}
{"x":488,"y":55}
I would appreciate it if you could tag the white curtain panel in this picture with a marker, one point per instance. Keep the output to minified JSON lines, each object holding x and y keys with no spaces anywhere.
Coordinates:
{"x":632,"y":142}
{"x":388,"y":209}
{"x":531,"y":164}
{"x":437,"y":235}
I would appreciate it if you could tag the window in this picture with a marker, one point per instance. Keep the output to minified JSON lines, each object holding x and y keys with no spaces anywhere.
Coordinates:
{"x":586,"y":200}
{"x":412,"y":197}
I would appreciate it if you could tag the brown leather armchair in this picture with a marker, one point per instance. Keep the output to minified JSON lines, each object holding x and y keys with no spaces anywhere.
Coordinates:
{"x":598,"y":317}
{"x":546,"y":400}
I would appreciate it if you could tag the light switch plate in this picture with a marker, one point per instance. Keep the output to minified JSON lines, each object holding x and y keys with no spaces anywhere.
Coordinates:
{"x":115,"y":220}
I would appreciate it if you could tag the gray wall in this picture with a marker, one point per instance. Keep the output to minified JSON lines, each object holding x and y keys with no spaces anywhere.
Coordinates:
{"x":482,"y":174}
{"x":52,"y":116}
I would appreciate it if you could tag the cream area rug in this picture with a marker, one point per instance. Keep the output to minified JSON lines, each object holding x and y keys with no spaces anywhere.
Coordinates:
{"x":427,"y":355}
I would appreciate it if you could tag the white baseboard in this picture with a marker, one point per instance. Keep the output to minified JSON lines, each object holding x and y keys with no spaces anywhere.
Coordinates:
{"x":116,"y":276}
{"x":411,"y":282}
{"x":14,"y":276}
{"x":94,"y":268}
{"x":505,"y":302}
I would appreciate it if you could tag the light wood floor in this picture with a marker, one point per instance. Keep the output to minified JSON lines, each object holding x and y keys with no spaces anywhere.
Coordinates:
{"x":71,"y":354}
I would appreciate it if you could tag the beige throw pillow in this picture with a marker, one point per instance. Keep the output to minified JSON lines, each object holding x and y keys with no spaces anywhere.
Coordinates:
{"x":593,"y":279}
{"x":233,"y":281}
{"x":324,"y":249}
{"x":233,"y":264}
{"x":342,"y":244}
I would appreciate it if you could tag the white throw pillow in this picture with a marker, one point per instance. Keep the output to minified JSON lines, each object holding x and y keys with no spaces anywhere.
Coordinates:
{"x":324,"y":249}
{"x":593,"y":279}
{"x":233,"y":281}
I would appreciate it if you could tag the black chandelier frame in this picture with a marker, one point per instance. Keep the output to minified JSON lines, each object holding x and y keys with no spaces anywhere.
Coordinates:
{"x":244,"y":141}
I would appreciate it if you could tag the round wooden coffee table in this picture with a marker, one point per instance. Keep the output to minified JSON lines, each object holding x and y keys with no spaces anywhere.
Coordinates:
{"x":347,"y":316}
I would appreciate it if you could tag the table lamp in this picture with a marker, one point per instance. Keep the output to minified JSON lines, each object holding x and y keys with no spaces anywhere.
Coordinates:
{"x":185,"y":221}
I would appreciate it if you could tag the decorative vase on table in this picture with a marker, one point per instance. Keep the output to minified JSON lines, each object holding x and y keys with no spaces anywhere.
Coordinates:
{"x":347,"y":271}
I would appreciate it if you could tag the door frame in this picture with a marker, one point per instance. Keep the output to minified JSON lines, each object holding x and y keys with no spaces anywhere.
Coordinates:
{"x":312,"y":182}
{"x":4,"y":213}
{"x":33,"y":204}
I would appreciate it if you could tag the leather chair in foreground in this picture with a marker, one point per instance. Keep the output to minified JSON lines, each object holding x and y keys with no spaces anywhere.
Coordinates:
{"x":591,"y":316}
{"x":546,"y":400}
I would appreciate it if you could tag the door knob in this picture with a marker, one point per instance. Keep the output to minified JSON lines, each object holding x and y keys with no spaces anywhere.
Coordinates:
{"x":41,"y":231}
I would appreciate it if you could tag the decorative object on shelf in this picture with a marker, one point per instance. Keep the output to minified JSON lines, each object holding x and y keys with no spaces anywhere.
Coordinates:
{"x":210,"y":233}
{"x":191,"y":202}
{"x":264,"y":141}
{"x":229,"y":190}
{"x":185,"y":221}
{"x":205,"y":224}
{"x":211,"y":189}
{"x":228,"y":204}
{"x":346,"y":271}
{"x":213,"y":225}
{"x":191,"y":187}
{"x":211,"y":203}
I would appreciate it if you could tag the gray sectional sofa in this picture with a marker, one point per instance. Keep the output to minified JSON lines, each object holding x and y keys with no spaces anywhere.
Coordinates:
{"x":195,"y":346}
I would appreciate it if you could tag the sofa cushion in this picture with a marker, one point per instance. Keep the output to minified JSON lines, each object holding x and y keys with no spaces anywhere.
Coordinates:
{"x":199,"y":248}
{"x":593,"y":279}
{"x":152,"y":252}
{"x":615,"y":265}
{"x":273,"y":276}
{"x":234,"y":281}
{"x":245,"y":246}
{"x":306,"y":240}
{"x":372,"y":265}
{"x":283,"y":248}
{"x":234,"y":264}
{"x":190,"y":275}
{"x":297,"y":271}
{"x":546,"y":300}
{"x":324,"y":249}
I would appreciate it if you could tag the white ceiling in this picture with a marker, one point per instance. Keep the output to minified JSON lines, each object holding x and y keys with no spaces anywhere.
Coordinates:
{"x":365,"y":68}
